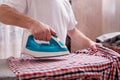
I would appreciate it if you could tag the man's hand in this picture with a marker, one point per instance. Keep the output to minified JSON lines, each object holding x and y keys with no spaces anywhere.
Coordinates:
{"x":41,"y":31}
{"x":93,"y":45}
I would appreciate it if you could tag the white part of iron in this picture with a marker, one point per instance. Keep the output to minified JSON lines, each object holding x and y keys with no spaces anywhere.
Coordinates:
{"x":41,"y":42}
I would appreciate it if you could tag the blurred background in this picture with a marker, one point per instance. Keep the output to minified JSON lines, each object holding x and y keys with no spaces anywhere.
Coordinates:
{"x":95,"y":17}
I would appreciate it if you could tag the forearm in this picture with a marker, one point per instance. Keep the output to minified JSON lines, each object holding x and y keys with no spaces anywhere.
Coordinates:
{"x":75,"y":34}
{"x":12,"y":17}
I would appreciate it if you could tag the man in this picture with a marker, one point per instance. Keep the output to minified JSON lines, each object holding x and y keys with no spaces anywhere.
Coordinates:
{"x":44,"y":18}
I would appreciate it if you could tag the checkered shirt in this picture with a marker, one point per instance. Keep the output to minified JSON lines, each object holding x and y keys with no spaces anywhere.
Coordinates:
{"x":80,"y":65}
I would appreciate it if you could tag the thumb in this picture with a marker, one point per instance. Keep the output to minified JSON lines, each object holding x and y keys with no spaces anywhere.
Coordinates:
{"x":52,"y":31}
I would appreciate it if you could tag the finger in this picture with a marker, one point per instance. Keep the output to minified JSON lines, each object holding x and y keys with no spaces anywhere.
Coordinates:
{"x":45,"y":37}
{"x":99,"y":45}
{"x":36,"y":36}
{"x":48,"y":36}
{"x":39,"y":37}
{"x":52,"y":31}
{"x":94,"y":48}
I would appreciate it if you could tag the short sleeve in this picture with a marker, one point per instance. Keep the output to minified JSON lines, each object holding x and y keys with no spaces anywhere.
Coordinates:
{"x":72,"y":21}
{"x":19,"y":5}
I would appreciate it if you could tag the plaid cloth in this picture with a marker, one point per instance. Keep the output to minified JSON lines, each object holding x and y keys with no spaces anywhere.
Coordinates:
{"x":80,"y":65}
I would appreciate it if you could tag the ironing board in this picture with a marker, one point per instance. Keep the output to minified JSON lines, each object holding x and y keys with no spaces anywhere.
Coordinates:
{"x":5,"y":72}
{"x":83,"y":65}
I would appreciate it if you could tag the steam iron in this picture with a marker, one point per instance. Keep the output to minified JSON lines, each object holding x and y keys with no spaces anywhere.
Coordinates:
{"x":54,"y":47}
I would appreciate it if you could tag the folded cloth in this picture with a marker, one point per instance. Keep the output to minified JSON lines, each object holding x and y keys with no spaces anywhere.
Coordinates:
{"x":82,"y":64}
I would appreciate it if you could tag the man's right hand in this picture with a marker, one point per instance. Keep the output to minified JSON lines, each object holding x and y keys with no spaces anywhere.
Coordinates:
{"x":41,"y":31}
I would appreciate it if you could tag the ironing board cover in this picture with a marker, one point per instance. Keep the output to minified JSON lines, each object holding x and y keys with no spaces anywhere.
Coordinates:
{"x":82,"y":65}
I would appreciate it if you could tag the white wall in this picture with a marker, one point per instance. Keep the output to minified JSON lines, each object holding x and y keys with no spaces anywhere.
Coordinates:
{"x":111,"y":16}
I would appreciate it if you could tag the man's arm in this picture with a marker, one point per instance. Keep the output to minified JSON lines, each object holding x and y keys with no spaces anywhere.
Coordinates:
{"x":10,"y":16}
{"x":80,"y":37}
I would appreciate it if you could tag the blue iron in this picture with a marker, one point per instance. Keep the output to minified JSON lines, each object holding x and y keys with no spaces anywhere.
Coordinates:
{"x":54,"y":47}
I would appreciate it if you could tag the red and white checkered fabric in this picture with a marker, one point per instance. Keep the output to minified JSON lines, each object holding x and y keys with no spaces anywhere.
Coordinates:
{"x":80,"y":65}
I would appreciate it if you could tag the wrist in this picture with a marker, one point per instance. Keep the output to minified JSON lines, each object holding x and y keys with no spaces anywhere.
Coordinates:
{"x":88,"y":43}
{"x":91,"y":43}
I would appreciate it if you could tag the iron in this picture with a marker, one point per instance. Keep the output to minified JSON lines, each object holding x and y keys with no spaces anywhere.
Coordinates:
{"x":52,"y":48}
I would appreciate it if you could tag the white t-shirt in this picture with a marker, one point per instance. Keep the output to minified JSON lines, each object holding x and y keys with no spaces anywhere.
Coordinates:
{"x":56,"y":13}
